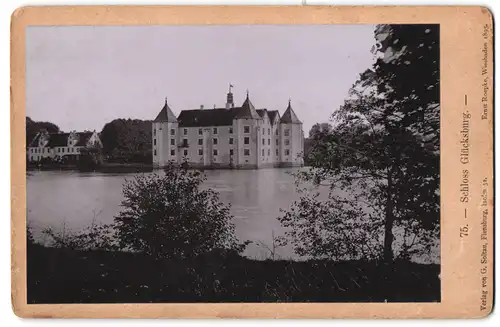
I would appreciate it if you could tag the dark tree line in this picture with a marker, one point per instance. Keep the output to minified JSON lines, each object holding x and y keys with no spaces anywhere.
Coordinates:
{"x":380,"y":160}
{"x":127,"y":140}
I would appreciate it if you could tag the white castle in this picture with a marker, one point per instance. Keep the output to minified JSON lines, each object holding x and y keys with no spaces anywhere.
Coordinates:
{"x":230,"y":137}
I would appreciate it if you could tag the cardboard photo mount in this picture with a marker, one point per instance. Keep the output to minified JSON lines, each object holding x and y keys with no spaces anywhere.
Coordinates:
{"x":466,"y":59}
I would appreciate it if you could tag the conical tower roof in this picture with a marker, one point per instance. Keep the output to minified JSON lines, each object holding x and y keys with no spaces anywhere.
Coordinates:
{"x":247,"y":110}
{"x":166,"y":114}
{"x":289,"y":117}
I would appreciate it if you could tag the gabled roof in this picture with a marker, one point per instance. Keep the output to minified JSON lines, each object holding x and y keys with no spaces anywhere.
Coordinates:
{"x":83,"y":138}
{"x":272,"y":115}
{"x":58,"y":139}
{"x":219,"y":116}
{"x":61,"y":139}
{"x":34,"y":142}
{"x":206,"y":117}
{"x":289,"y":117}
{"x":262,"y":113}
{"x":166,"y":114}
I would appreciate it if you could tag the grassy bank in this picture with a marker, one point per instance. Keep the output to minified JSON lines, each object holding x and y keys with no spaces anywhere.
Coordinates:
{"x":67,"y":276}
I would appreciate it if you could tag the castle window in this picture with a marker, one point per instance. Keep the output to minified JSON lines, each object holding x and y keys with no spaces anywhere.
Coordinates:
{"x":268,"y":141}
{"x":215,"y":141}
{"x":200,"y":141}
{"x":268,"y":152}
{"x":172,"y":131}
{"x":200,"y":152}
{"x":185,"y":152}
{"x":155,"y":152}
{"x":287,"y":142}
{"x":287,"y":132}
{"x":268,"y":131}
{"x":154,"y":141}
{"x":277,"y":142}
{"x":262,"y":152}
{"x":246,"y":152}
{"x":276,"y":131}
{"x":246,"y":129}
{"x":62,"y":150}
{"x":184,"y":142}
{"x":185,"y":131}
{"x":58,"y":149}
{"x":216,"y":152}
{"x":154,"y":132}
{"x":231,"y":152}
{"x":172,"y":141}
{"x":287,"y":152}
{"x":200,"y":131}
{"x":263,"y":142}
{"x":231,"y":140}
{"x":246,"y":140}
{"x":215,"y":130}
{"x":277,"y":153}
{"x":172,"y":152}
{"x":230,"y":130}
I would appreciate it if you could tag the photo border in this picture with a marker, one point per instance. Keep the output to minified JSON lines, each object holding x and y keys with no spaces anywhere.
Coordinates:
{"x":461,"y":59}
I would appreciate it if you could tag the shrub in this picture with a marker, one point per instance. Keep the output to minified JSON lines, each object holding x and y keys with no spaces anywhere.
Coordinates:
{"x":94,"y":237}
{"x":170,"y":216}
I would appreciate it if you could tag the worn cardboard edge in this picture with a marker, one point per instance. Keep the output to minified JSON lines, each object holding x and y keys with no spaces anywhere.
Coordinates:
{"x":453,"y":67}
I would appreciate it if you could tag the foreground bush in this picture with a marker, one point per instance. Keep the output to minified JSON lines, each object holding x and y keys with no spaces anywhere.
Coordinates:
{"x":170,"y":216}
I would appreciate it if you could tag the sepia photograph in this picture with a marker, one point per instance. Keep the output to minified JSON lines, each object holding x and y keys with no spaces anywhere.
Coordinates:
{"x":233,"y":163}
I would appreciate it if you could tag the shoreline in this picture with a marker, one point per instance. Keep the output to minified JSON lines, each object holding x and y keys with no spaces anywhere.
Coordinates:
{"x":134,"y":168}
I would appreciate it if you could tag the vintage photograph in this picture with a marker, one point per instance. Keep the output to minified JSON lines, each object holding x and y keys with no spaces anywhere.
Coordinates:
{"x":233,"y":163}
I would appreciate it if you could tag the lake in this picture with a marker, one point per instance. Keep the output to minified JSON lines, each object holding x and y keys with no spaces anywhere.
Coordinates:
{"x":72,"y":199}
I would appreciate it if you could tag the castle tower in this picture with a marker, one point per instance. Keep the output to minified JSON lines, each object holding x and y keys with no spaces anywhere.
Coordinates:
{"x":246,"y":120}
{"x":230,"y":99}
{"x":291,"y":138}
{"x":165,"y":137}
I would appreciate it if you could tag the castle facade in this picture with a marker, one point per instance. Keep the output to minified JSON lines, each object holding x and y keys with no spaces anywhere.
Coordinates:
{"x":230,"y":137}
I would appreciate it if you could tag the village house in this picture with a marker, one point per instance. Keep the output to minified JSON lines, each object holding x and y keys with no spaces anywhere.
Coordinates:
{"x":61,"y":146}
{"x":230,"y":137}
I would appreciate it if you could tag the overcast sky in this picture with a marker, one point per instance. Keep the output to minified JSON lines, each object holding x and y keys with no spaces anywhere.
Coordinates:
{"x":83,"y":77}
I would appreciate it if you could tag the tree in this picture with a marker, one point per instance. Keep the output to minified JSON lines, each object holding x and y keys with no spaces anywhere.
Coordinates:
{"x":318,"y":129}
{"x":317,"y":132}
{"x":381,"y":162}
{"x":90,"y":158}
{"x":127,"y":140}
{"x":170,"y":216}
